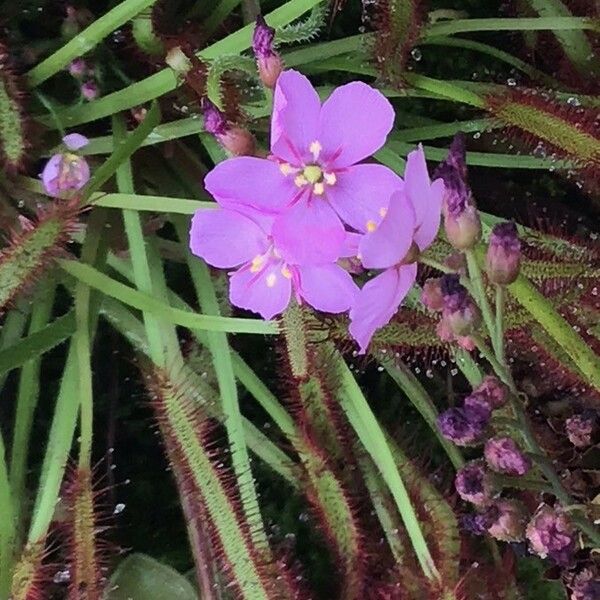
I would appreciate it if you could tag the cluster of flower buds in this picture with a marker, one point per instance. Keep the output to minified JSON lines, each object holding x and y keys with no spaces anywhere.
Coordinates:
{"x":85,"y":74}
{"x":460,"y":314}
{"x":268,"y":60}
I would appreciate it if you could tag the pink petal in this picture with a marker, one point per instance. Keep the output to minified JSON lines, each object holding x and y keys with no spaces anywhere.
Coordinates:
{"x":309,"y":233}
{"x":389,"y":243}
{"x":354,"y":123}
{"x":362,"y":193}
{"x":267,"y":293}
{"x":75,"y":141}
{"x":294,"y":124}
{"x":225,"y":238}
{"x":50,"y":175}
{"x":378,"y":301}
{"x":351,"y":245}
{"x":327,"y":288}
{"x":256,"y":182}
{"x":426,"y":232}
{"x":426,"y":197}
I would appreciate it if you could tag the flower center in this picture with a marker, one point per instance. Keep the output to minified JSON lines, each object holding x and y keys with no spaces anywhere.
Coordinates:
{"x":313,"y":173}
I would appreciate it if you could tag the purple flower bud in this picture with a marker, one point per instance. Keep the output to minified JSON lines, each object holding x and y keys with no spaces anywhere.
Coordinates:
{"x":461,"y":219}
{"x":479,"y":402}
{"x":585,"y":586}
{"x":580,"y":429}
{"x":503,"y":260}
{"x":552,"y":534}
{"x":504,"y":456}
{"x":478,"y":523}
{"x":463,"y":426}
{"x":460,"y":313}
{"x":269,"y":62}
{"x":89,"y":90}
{"x":494,"y":391}
{"x":432,"y":294}
{"x":510,"y":520}
{"x":78,"y":67}
{"x":237,"y":141}
{"x":474,"y":484}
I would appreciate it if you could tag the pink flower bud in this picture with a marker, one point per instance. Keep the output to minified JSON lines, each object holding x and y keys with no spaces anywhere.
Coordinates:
{"x":463,"y":230}
{"x":237,"y":141}
{"x":510,"y":520}
{"x":268,"y":60}
{"x":503,"y":260}
{"x":432,"y":296}
{"x":460,"y":313}
{"x":504,"y":456}
{"x":494,"y":391}
{"x":89,"y":90}
{"x":585,"y":586}
{"x":474,"y":484}
{"x":581,"y":429}
{"x":552,"y":534}
{"x":78,"y":68}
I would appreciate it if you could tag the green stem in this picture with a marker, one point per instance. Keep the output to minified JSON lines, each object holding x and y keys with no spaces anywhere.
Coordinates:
{"x":11,"y":332}
{"x":445,"y":89}
{"x":499,"y":331}
{"x":218,"y":15}
{"x":481,"y":298}
{"x":510,"y":24}
{"x":420,"y":399}
{"x":7,"y":526}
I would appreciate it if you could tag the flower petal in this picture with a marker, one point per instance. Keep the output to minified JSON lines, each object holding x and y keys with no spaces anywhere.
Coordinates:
{"x":362,"y":193}
{"x":378,"y":301}
{"x":354,"y":123}
{"x":50,"y":175}
{"x":256,"y":182}
{"x":351,"y":245}
{"x":75,"y":141}
{"x":309,"y":233}
{"x":426,"y":231}
{"x":225,"y":238}
{"x":389,"y":243}
{"x":294,"y":124}
{"x":267,"y":293}
{"x":327,"y":287}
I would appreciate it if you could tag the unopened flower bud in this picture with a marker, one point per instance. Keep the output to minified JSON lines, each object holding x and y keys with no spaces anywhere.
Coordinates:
{"x":509,"y":523}
{"x":504,"y":456}
{"x":268,"y":60}
{"x":585,"y":586}
{"x":460,"y":312}
{"x":461,"y":218}
{"x":432,"y":296}
{"x":78,"y":68}
{"x":552,"y":534}
{"x":66,"y":171}
{"x":236,"y":140}
{"x":463,"y":426}
{"x":474,"y":483}
{"x":580,"y":429}
{"x":494,"y":391}
{"x":89,"y":90}
{"x":503,"y":260}
{"x":178,"y":61}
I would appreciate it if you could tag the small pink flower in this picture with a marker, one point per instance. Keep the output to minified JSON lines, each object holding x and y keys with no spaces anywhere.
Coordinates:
{"x":312,"y":184}
{"x":408,"y":227}
{"x":504,"y":456}
{"x":78,"y":68}
{"x":581,"y":429}
{"x":89,"y":90}
{"x":66,"y":171}
{"x":264,"y":281}
{"x":494,"y":391}
{"x":474,"y":483}
{"x":552,"y":534}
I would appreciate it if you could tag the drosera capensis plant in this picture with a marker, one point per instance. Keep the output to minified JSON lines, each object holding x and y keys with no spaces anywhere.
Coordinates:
{"x":263,"y":287}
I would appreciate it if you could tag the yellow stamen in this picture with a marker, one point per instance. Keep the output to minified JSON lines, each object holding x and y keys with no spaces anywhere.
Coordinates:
{"x":329,"y":178}
{"x":271,"y":279}
{"x":286,"y":272}
{"x":318,"y":189}
{"x":312,"y":173}
{"x":300,"y":180}
{"x":383,"y":211}
{"x":315,"y":149}
{"x":257,"y":263}
{"x":286,"y":168}
{"x":371,"y":226}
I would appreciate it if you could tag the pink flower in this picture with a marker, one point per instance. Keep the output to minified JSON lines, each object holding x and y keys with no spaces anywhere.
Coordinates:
{"x":89,"y":90}
{"x":552,"y":534}
{"x":264,"y":280}
{"x":66,"y":171}
{"x":504,"y":456}
{"x":409,"y":226}
{"x":312,"y":184}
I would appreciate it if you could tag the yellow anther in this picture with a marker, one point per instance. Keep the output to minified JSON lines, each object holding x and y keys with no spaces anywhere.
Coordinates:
{"x":383,"y":211}
{"x":300,"y":180}
{"x":286,"y":168}
{"x":318,"y":189}
{"x":257,"y":263}
{"x":371,"y":226}
{"x":271,"y":279}
{"x":329,"y":178}
{"x":313,"y":173}
{"x":315,"y":149}
{"x":286,"y":272}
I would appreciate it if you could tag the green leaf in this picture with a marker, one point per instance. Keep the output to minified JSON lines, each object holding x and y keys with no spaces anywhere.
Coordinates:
{"x":141,"y":577}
